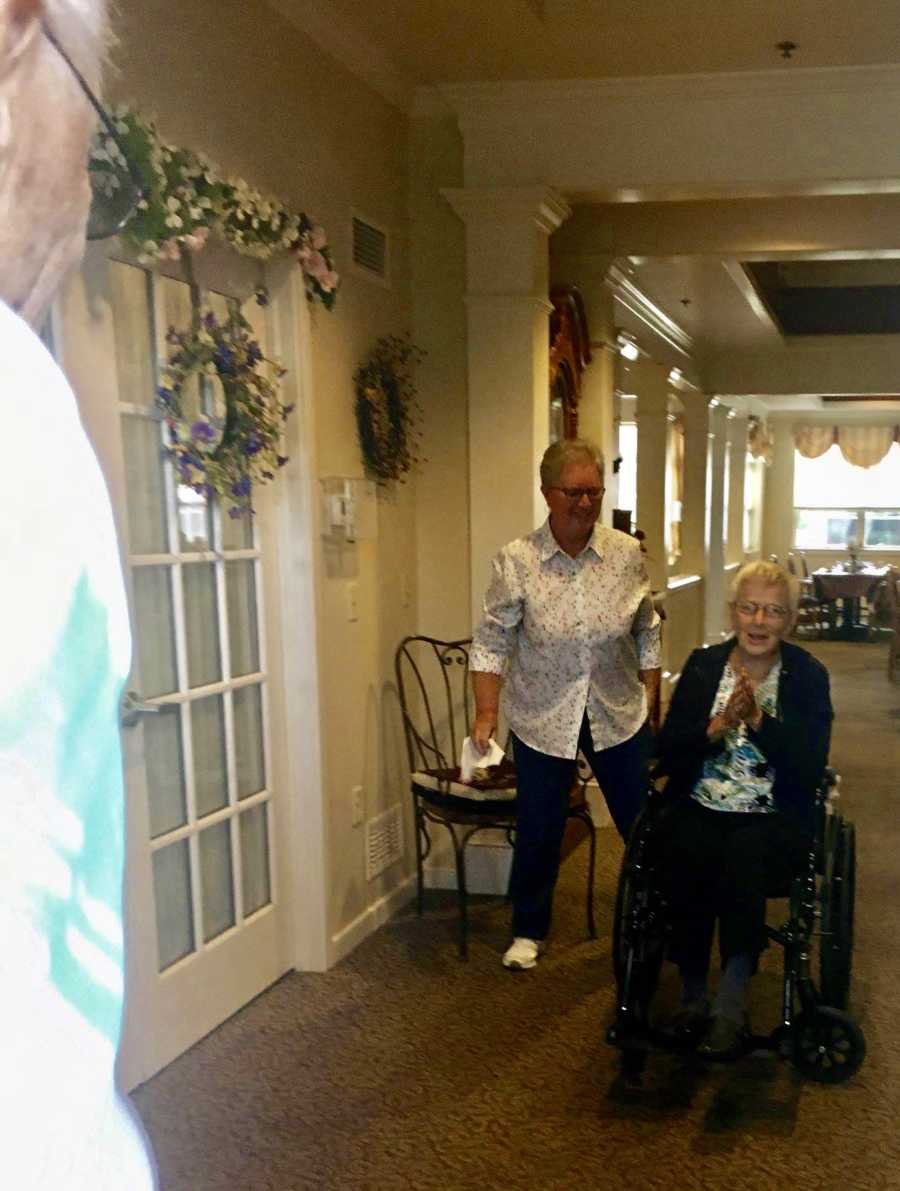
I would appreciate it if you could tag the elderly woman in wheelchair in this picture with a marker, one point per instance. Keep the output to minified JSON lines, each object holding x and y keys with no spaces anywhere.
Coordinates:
{"x":744,"y":748}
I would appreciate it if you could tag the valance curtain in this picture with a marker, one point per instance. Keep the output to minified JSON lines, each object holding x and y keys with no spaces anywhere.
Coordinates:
{"x":863,"y":446}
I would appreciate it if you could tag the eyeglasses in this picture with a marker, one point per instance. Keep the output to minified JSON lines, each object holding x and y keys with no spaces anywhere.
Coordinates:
{"x":123,"y":186}
{"x":770,"y":611}
{"x":593,"y":494}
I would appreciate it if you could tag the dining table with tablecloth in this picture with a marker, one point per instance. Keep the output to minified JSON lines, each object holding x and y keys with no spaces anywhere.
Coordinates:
{"x":849,"y":587}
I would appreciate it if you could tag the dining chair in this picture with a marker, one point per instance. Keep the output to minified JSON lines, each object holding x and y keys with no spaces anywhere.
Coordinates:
{"x":893,"y":597}
{"x":436,"y":703}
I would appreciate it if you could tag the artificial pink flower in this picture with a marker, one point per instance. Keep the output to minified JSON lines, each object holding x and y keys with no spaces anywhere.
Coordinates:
{"x":316,"y":264}
{"x":318,"y":239}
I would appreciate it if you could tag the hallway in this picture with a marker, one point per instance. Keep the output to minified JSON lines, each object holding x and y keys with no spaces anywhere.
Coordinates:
{"x":403,"y":1068}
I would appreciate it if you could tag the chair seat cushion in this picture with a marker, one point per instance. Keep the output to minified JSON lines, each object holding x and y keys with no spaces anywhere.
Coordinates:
{"x":499,"y":787}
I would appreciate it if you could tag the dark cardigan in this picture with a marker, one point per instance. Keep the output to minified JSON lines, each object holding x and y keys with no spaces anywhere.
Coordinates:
{"x":794,"y":742}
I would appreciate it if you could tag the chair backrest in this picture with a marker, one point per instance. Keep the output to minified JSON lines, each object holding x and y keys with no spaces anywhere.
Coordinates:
{"x":791,"y":564}
{"x":804,"y":564}
{"x":433,"y":685}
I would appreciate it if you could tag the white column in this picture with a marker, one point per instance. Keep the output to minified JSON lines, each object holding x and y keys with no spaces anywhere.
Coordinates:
{"x":507,"y":275}
{"x":650,"y":381}
{"x":693,"y":515}
{"x":737,"y":439}
{"x":596,"y":409}
{"x":778,"y":498}
{"x":715,"y":528}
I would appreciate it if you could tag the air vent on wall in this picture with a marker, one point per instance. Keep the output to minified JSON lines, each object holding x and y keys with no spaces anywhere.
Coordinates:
{"x":370,"y":248}
{"x":384,"y":841}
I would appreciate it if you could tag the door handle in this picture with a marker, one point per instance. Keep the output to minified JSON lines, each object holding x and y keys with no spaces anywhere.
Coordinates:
{"x":133,"y":707}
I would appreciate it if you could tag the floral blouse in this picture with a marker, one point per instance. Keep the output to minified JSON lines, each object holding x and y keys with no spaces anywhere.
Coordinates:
{"x":739,"y":778}
{"x":570,"y":636}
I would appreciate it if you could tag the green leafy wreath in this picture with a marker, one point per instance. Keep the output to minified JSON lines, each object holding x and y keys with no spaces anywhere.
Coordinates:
{"x":387,"y":409}
{"x":219,"y":398}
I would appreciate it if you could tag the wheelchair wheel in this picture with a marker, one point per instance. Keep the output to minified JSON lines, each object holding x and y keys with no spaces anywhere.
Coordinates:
{"x":638,"y":942}
{"x":828,"y":1045}
{"x":838,"y":897}
{"x":629,"y":891}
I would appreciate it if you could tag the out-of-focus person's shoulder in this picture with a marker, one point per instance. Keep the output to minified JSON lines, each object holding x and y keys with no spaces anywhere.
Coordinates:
{"x":56,"y":521}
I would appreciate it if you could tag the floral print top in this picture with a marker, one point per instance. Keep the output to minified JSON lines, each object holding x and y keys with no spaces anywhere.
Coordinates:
{"x":739,"y":778}
{"x":569,"y":635}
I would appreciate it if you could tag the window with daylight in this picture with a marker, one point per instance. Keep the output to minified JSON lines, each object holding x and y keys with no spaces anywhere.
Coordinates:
{"x":628,"y":468}
{"x":753,"y":496}
{"x":836,"y":502}
{"x":674,"y":487}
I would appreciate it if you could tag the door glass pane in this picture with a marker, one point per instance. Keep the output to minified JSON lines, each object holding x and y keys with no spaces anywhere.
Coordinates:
{"x":208,"y":737}
{"x":176,"y":303}
{"x":154,"y":630}
{"x":165,"y":770}
{"x":216,"y":879}
{"x":243,"y":636}
{"x":201,"y":620}
{"x":237,"y":532}
{"x":172,"y":885}
{"x":133,"y":322}
{"x":255,"y":858}
{"x":146,"y":488}
{"x":248,"y":740}
{"x":194,"y":520}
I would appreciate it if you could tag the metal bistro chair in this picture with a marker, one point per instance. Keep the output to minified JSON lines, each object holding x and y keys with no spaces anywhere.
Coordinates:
{"x":433,"y":685}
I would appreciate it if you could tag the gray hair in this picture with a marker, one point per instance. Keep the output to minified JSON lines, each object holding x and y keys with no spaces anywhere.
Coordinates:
{"x":568,"y":450}
{"x":771,"y":573}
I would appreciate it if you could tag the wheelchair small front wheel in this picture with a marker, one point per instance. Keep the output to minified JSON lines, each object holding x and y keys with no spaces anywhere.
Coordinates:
{"x":828,"y":1045}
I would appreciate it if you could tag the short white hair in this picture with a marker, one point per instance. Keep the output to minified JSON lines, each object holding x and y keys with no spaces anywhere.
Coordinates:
{"x":771,"y":573}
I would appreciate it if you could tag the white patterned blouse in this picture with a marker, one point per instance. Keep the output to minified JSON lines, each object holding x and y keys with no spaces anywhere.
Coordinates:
{"x":570,"y":636}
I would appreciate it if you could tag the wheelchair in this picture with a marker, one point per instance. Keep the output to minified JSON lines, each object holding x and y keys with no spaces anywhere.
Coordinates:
{"x":815,"y":1031}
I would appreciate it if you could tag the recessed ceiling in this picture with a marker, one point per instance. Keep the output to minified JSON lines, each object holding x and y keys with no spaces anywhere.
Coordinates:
{"x":830,"y":297}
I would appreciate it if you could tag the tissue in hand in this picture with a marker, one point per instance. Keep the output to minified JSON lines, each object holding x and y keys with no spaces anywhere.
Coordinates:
{"x":471,"y":759}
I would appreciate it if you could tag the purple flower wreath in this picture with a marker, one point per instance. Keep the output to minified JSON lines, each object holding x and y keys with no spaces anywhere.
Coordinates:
{"x":222,"y":448}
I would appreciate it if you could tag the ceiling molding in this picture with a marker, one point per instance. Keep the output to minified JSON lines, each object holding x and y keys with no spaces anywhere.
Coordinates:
{"x":648,"y":312}
{"x":318,"y":19}
{"x":470,"y":97}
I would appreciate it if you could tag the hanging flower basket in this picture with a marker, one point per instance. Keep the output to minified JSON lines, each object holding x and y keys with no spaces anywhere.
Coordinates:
{"x":387,"y":409}
{"x":186,"y":199}
{"x":219,"y":398}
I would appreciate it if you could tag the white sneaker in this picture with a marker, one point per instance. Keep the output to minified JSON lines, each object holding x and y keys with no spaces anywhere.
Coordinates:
{"x":522,"y":954}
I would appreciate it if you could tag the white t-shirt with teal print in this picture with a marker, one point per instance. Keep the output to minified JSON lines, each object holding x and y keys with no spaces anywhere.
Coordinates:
{"x":64,"y":654}
{"x":738,"y":778}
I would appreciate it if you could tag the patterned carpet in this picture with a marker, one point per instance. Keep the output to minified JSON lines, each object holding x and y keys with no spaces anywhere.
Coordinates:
{"x":405,"y":1069}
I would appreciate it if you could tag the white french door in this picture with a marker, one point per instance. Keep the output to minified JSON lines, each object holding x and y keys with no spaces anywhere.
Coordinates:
{"x":206,"y":929}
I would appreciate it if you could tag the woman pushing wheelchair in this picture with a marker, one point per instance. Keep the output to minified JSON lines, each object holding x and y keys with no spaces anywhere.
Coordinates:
{"x":744,"y":747}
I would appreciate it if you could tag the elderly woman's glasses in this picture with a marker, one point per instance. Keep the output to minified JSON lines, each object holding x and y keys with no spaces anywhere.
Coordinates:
{"x":593,"y":494}
{"x":770,"y":611}
{"x":122,"y":187}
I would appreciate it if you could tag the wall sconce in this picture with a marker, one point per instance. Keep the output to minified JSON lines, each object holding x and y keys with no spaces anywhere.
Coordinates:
{"x":627,"y":346}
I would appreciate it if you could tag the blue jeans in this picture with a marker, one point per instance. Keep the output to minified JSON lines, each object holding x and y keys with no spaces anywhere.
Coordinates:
{"x":544,"y":784}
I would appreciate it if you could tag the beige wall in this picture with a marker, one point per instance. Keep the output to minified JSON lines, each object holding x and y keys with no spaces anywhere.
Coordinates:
{"x":237,"y":81}
{"x":438,"y":255}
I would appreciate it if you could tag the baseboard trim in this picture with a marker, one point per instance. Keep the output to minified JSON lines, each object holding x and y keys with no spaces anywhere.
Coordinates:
{"x":366,"y":923}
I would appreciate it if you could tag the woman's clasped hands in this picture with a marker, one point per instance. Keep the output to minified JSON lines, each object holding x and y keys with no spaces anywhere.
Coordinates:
{"x":741,"y":708}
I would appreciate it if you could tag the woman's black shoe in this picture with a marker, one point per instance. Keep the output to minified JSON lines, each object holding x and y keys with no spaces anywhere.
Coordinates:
{"x":725,"y":1039}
